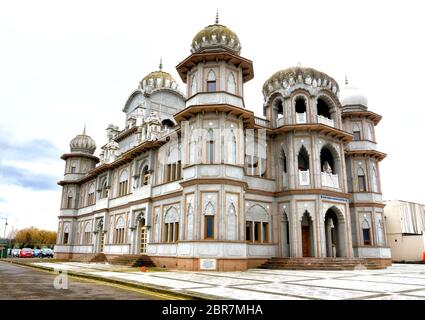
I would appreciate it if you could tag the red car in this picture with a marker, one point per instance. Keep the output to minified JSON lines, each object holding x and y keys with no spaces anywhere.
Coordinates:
{"x":26,"y":253}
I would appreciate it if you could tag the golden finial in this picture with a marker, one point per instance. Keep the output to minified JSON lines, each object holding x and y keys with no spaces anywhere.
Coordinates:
{"x":160,"y":64}
{"x":84,"y":130}
{"x":216,"y":17}
{"x":346,"y":80}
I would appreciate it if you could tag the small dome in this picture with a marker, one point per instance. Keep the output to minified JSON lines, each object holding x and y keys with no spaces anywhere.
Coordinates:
{"x":351,"y":96}
{"x":83,"y":143}
{"x":287,"y":78}
{"x":216,"y":36}
{"x":158,"y":79}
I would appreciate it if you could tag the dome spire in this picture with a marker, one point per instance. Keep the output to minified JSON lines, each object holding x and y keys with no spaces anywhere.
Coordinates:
{"x":346,"y":79}
{"x":216,"y":17}
{"x":160,"y":64}
{"x":84,"y":130}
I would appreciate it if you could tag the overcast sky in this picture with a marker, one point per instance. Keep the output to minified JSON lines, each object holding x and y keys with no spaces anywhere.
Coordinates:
{"x":67,"y":63}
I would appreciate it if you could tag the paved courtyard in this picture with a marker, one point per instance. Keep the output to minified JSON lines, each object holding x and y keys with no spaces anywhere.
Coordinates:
{"x":398,"y":282}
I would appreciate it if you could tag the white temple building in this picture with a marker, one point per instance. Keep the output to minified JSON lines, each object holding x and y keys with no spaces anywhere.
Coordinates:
{"x":195,"y":181}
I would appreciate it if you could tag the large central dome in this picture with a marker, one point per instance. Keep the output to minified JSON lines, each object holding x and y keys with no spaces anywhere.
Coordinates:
{"x":216,"y":36}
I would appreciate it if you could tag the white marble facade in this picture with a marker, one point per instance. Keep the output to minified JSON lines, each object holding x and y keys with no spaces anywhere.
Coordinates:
{"x":197,"y":175}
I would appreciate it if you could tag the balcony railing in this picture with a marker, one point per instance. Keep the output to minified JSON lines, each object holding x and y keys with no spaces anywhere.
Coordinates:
{"x":304,"y":177}
{"x":301,"y":117}
{"x":324,"y":120}
{"x":330,"y":180}
{"x":262,"y":122}
{"x":280,"y":122}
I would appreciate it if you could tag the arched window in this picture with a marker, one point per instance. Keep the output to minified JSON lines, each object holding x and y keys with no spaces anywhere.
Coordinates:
{"x":87,"y":233}
{"x":356,"y":132}
{"x":123,"y":183}
{"x":65,"y":234}
{"x":103,"y":188}
{"x":70,"y":199}
{"x":73,"y":167}
{"x":172,"y":167}
{"x":300,"y":110}
{"x":283,"y":167}
{"x":361,"y":179}
{"x":283,"y":161}
{"x":192,"y":148}
{"x":303,"y":159}
{"x":370,"y":132}
{"x":323,"y":108}
{"x":209,"y":221}
{"x":144,"y":179}
{"x":278,"y":106}
{"x":119,"y":231}
{"x":232,"y":148}
{"x":257,"y":224}
{"x":193,"y":85}
{"x":210,"y":146}
{"x":327,"y":163}
{"x":300,"y":106}
{"x":231,"y":83}
{"x":374,"y":179}
{"x":90,"y":196}
{"x":366,"y":233}
{"x":211,"y":81}
{"x":171,"y":225}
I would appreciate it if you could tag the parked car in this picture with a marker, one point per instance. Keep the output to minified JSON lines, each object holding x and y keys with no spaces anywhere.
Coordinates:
{"x":16,"y":252}
{"x":46,"y":253}
{"x":26,"y":253}
{"x":37,"y":253}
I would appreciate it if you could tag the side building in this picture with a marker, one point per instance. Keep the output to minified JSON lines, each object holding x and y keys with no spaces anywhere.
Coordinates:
{"x":405,"y":230}
{"x":196,"y":181}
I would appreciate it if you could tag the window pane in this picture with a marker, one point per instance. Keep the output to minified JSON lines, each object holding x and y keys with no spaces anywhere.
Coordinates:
{"x":248,"y":231}
{"x":210,"y":226}
{"x":211,"y":86}
{"x":257,"y":231}
{"x":366,"y":236}
{"x":356,"y":135}
{"x":362,"y":183}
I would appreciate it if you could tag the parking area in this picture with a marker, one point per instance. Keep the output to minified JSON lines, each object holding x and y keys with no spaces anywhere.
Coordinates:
{"x":399,"y":282}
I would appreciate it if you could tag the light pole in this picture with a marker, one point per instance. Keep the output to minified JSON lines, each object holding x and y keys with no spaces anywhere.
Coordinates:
{"x":5,"y":226}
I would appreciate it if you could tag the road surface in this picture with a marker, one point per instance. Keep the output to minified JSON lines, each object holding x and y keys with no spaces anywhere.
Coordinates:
{"x":25,"y":283}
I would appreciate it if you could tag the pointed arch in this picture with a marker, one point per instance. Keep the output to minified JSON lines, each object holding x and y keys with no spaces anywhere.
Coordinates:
{"x":211,"y":81}
{"x":257,"y":224}
{"x":361,"y":179}
{"x":285,"y":238}
{"x":193,"y":85}
{"x":366,"y":232}
{"x":232,"y":148}
{"x":303,"y":159}
{"x":209,"y":209}
{"x":374,"y":179}
{"x":231,"y":83}
{"x":307,"y":234}
{"x":210,"y":139}
{"x":171,"y":225}
{"x":190,"y":219}
{"x":192,"y":148}
{"x":231,"y":224}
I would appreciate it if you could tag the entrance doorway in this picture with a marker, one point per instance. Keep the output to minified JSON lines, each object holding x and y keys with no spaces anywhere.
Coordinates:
{"x":307,"y":235}
{"x":335,"y":233}
{"x":142,"y":236}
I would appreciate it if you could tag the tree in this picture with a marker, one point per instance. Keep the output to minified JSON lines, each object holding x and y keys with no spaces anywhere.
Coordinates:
{"x":33,"y":237}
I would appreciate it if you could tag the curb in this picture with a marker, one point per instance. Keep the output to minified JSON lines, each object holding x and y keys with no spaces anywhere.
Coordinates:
{"x":131,"y":284}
